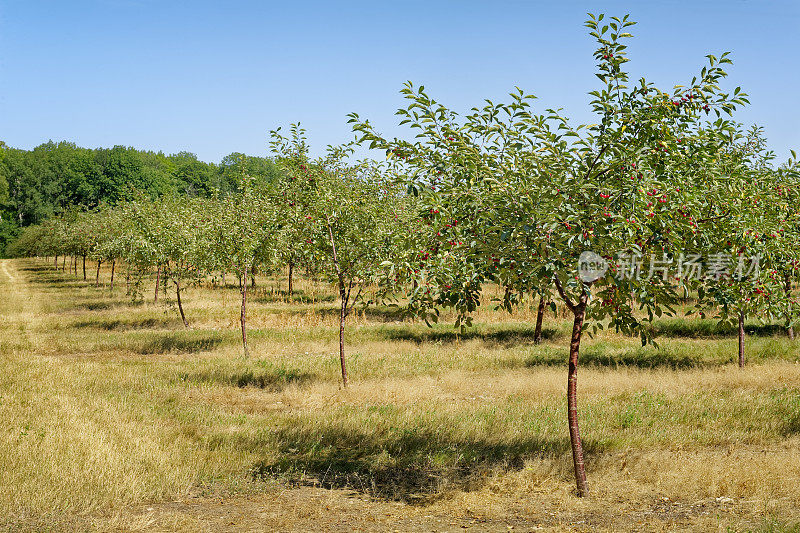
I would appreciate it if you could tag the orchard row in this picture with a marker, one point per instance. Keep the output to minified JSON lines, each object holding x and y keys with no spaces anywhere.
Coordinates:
{"x":504,"y":195}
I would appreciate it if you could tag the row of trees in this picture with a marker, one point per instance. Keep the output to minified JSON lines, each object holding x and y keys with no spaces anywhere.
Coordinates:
{"x":55,"y":177}
{"x":340,"y":219}
{"x":666,"y":190}
{"x":517,"y":198}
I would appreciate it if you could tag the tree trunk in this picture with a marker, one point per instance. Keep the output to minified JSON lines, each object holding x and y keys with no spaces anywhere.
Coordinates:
{"x":75,"y":265}
{"x":180,"y":305}
{"x":64,"y":264}
{"x":158,"y":281}
{"x":537,"y":333}
{"x":55,"y":262}
{"x":291,"y":270}
{"x":97,"y":277}
{"x":572,"y":401}
{"x":243,"y":287}
{"x":113,"y":267}
{"x":342,"y":316}
{"x":741,"y":339}
{"x":166,"y":278}
{"x":84,"y":267}
{"x":224,"y":283}
{"x":787,"y":286}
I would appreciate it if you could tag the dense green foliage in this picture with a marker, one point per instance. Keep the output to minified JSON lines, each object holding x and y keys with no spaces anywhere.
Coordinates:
{"x":56,"y":176}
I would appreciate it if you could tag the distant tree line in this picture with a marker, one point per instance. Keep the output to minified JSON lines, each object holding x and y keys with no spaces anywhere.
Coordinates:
{"x":56,"y":177}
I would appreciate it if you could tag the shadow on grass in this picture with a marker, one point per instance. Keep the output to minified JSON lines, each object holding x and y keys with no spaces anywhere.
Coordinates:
{"x":268,"y":377}
{"x":178,"y":343}
{"x":792,"y":425}
{"x":505,"y":337}
{"x":297,"y":297}
{"x":414,"y":465}
{"x":698,"y":329}
{"x":645,"y":357}
{"x":128,"y":325}
{"x":102,"y":305}
{"x":378,"y":314}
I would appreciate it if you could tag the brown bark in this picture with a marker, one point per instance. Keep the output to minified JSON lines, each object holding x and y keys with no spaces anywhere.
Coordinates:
{"x":166,"y":277}
{"x":84,"y":267}
{"x":55,"y":262}
{"x":97,"y":276}
{"x":244,"y":312}
{"x":787,"y":286}
{"x":113,"y":267}
{"x":579,"y":312}
{"x":75,"y":265}
{"x":158,"y":280}
{"x":741,"y":339}
{"x":572,"y":402}
{"x":64,"y":264}
{"x":342,"y":317}
{"x":180,"y":305}
{"x":537,"y":333}
{"x":291,"y":269}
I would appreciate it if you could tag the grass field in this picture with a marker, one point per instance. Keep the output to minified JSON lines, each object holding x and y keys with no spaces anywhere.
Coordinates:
{"x":116,"y":417}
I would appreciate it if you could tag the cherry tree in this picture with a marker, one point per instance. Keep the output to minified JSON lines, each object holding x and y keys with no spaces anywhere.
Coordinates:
{"x":353,"y":218}
{"x":512,"y":196}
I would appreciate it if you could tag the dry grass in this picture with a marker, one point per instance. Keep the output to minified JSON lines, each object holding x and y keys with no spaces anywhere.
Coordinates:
{"x":116,"y":417}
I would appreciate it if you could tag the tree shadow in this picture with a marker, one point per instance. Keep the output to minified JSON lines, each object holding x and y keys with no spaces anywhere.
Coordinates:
{"x":298,"y":296}
{"x":414,"y":465}
{"x":700,"y":329}
{"x":269,"y":378}
{"x":644,"y":357}
{"x":791,"y":425}
{"x":172,"y":343}
{"x":501,"y":337}
{"x":103,"y":305}
{"x":130,"y":325}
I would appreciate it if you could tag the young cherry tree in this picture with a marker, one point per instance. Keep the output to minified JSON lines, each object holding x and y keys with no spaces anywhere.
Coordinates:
{"x":237,"y":229}
{"x":180,"y":239}
{"x":745,"y":242}
{"x":353,"y":217}
{"x":513,"y":197}
{"x":785,"y":256}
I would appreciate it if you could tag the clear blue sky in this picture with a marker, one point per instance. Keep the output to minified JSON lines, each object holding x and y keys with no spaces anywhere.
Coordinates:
{"x":214,"y":77}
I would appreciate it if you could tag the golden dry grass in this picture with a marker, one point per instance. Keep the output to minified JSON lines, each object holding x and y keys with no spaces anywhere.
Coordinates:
{"x":116,"y":418}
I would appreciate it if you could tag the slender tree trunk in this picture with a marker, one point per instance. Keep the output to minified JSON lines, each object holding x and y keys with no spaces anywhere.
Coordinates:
{"x":75,"y":265}
{"x":166,"y":277}
{"x":787,"y":286}
{"x":55,"y":262}
{"x":741,"y":339}
{"x":84,"y":267}
{"x":224,"y":283}
{"x":342,"y":317}
{"x":127,"y":281}
{"x":158,"y":281}
{"x":113,"y":267}
{"x":572,"y":401}
{"x":291,"y":270}
{"x":97,"y":276}
{"x":243,"y":287}
{"x":64,"y":264}
{"x":537,"y":333}
{"x":180,"y":305}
